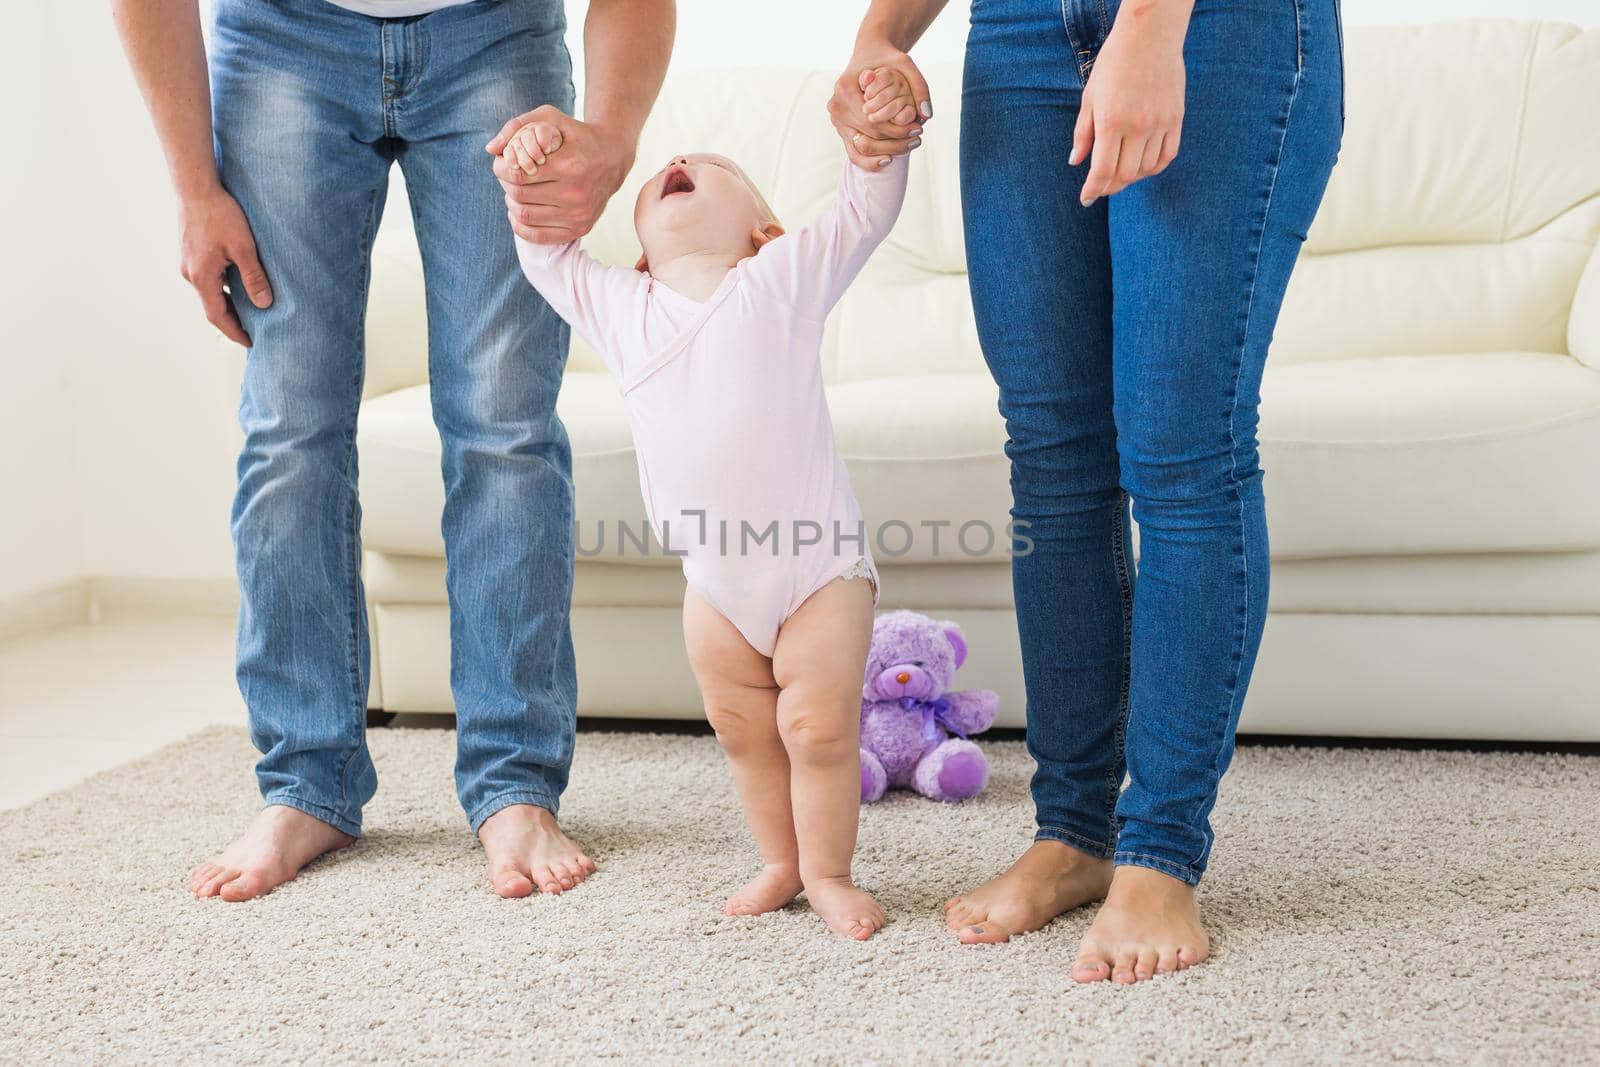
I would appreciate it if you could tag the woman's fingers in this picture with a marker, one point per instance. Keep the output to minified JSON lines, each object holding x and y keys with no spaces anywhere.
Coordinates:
{"x":868,"y":145}
{"x":1082,"y":135}
{"x":1151,"y":163}
{"x":1169,"y":148}
{"x":1102,"y":169}
{"x":1130,"y":162}
{"x":1117,"y":160}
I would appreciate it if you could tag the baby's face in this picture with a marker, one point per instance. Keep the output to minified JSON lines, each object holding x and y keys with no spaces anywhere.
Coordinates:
{"x":697,"y":202}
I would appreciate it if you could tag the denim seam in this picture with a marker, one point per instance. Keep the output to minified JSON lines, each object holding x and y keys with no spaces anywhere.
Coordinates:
{"x":1102,"y":849}
{"x":1243,"y":621}
{"x":500,"y":801}
{"x":343,"y":823}
{"x":1119,"y":557}
{"x":351,"y":535}
{"x":1188,"y":874}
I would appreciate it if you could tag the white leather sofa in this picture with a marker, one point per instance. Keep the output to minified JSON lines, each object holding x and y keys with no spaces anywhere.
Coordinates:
{"x":1430,"y":426}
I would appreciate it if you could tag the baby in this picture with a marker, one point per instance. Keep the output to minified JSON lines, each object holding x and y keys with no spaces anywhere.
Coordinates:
{"x":714,"y":340}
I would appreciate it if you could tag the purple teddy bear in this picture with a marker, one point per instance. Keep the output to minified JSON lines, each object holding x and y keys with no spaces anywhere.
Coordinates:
{"x":908,"y":715}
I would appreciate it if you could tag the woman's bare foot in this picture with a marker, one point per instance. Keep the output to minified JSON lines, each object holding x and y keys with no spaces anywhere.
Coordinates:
{"x":848,"y":911}
{"x":278,"y":842}
{"x":526,"y":849}
{"x":1149,"y":925}
{"x":775,"y":886}
{"x":1047,"y":880}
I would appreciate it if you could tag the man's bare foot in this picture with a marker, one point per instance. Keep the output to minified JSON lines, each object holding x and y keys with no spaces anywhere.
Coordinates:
{"x":774,"y":887}
{"x":1149,"y":925}
{"x":848,"y":911}
{"x":527,"y":849}
{"x":1048,"y":879}
{"x":278,"y":842}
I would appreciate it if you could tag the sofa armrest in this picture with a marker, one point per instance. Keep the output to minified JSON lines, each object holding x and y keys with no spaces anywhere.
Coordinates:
{"x":1583,"y":328}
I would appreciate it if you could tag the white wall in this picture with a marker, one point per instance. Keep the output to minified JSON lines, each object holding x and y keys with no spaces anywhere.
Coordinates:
{"x":116,"y":404}
{"x":41,"y":530}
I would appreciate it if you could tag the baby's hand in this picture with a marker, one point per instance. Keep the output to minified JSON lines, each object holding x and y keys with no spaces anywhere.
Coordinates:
{"x":531,"y":146}
{"x":888,"y":96}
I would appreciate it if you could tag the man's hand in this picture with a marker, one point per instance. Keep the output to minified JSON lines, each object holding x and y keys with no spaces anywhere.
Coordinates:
{"x":564,"y":199}
{"x":215,"y":235}
{"x":869,"y":105}
{"x":1131,"y":116}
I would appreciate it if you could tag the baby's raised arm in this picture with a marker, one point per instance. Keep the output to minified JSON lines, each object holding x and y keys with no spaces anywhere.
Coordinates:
{"x":815,"y":264}
{"x":598,"y":301}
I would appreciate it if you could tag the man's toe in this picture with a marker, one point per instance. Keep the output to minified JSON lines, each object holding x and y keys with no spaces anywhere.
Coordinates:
{"x":1167,"y":961}
{"x":1144,"y":966}
{"x":247,"y":886}
{"x":200,"y":875}
{"x":215,"y":881}
{"x":986,"y":932}
{"x":961,"y":914}
{"x":1122,"y":968}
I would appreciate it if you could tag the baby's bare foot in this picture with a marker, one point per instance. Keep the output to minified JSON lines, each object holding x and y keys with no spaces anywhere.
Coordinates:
{"x":1048,"y":879}
{"x":775,"y":886}
{"x":1149,"y":925}
{"x":848,"y":911}
{"x":278,"y":842}
{"x":526,"y":849}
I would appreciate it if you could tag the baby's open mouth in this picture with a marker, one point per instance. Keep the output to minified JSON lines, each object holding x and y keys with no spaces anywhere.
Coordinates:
{"x":676,"y":181}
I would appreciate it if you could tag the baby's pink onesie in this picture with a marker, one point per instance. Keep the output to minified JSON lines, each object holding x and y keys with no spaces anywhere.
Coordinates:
{"x":737,"y":461}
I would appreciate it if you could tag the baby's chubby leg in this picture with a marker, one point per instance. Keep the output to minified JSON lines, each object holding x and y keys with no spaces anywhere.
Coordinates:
{"x":531,"y":146}
{"x":818,"y":664}
{"x":741,"y":702}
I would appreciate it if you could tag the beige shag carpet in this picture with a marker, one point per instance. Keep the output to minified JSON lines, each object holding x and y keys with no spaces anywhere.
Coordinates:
{"x":1366,"y":906}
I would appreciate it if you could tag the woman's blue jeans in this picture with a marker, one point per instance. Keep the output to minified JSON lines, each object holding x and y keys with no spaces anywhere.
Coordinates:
{"x":1128,"y":340}
{"x":313,"y":105}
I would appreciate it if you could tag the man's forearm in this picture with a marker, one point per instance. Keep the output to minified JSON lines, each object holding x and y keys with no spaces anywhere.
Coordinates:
{"x":626,"y":45}
{"x":901,"y":23}
{"x":168,"y":57}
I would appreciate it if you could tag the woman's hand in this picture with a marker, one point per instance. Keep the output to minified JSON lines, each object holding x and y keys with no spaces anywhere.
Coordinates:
{"x":869,"y":105}
{"x":1132,"y":112}
{"x":216,"y":235}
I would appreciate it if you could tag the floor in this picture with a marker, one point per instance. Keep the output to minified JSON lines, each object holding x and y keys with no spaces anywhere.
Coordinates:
{"x":77,"y":701}
{"x":1369,"y":906}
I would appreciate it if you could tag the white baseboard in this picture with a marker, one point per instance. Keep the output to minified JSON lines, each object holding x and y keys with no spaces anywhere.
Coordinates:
{"x":111,"y":596}
{"x":66,"y":604}
{"x":88,"y":600}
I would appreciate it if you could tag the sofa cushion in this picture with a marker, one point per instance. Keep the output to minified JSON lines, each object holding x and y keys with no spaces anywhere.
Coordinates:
{"x":1398,"y":455}
{"x":1392,"y":455}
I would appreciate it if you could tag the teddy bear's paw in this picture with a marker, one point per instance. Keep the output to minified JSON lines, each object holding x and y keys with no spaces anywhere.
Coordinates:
{"x":874,"y":779}
{"x":955,"y":770}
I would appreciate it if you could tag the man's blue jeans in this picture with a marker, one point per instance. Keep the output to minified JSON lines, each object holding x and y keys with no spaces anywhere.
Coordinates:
{"x":313,"y":104}
{"x":1128,"y":339}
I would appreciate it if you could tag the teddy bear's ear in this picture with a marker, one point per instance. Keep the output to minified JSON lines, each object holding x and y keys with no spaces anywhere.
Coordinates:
{"x":952,"y":632}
